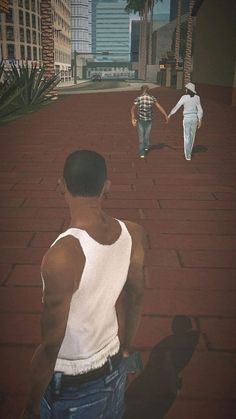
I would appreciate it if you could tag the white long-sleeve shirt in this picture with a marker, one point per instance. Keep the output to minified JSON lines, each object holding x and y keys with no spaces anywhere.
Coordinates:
{"x":192,"y":105}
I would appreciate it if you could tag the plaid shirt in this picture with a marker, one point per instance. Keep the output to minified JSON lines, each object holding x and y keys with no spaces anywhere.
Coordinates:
{"x":144,"y":104}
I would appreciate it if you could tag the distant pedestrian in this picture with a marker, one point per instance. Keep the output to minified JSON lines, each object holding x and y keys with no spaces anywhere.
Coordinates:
{"x":143,"y":105}
{"x":192,"y":117}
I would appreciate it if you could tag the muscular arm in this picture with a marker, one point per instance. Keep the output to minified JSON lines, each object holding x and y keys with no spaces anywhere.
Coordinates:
{"x":162,"y":110}
{"x":61,"y":272}
{"x":134,"y":287}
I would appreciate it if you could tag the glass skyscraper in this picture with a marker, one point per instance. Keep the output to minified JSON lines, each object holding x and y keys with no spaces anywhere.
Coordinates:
{"x":110,"y":31}
{"x":81,"y":25}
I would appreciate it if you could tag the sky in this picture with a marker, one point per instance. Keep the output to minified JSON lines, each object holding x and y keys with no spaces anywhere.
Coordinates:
{"x":159,"y":8}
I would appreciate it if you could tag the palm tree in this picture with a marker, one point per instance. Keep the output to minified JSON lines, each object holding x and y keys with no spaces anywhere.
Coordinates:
{"x":150,"y":33}
{"x":177,"y":34}
{"x":143,"y":7}
{"x":47,"y":29}
{"x":188,"y":53}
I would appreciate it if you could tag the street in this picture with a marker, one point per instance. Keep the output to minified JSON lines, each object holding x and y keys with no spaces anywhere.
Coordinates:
{"x":187,"y":334}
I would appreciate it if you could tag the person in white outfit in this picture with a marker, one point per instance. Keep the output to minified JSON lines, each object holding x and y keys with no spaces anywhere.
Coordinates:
{"x":192,"y":120}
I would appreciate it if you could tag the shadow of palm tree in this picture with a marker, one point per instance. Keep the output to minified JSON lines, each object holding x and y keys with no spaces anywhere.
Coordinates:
{"x":199,"y":149}
{"x":153,"y":392}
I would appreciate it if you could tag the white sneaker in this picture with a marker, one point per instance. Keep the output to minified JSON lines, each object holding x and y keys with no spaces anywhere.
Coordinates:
{"x":142,"y":156}
{"x":146,"y":149}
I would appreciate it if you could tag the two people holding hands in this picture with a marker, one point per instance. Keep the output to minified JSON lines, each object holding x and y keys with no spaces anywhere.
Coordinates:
{"x":192,"y":117}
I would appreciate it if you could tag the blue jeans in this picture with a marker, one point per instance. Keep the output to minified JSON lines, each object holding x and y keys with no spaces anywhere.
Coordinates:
{"x":190,"y":125}
{"x":99,"y":399}
{"x":144,"y":129}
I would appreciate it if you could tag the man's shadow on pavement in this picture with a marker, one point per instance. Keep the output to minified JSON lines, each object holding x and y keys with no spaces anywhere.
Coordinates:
{"x":196,"y":149}
{"x":153,"y":392}
{"x":199,"y":149}
{"x":159,"y":146}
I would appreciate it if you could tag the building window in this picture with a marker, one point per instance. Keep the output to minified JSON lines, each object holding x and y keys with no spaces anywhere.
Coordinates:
{"x":28,"y":36}
{"x":22,"y":52}
{"x":20,"y":3}
{"x":10,"y":33}
{"x":22,"y":35}
{"x":29,"y":55}
{"x":9,"y":16}
{"x":27,"y":4}
{"x":34,"y":37}
{"x":35,"y":54}
{"x":33,"y":5}
{"x":27,"y":19}
{"x":21,"y":17}
{"x":34,"y":21}
{"x":10,"y":51}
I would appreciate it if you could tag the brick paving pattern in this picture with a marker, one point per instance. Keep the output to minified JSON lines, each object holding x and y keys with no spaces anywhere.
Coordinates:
{"x":188,"y":211}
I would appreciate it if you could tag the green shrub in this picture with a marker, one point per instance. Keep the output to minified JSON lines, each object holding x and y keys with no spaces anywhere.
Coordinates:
{"x":23,"y":87}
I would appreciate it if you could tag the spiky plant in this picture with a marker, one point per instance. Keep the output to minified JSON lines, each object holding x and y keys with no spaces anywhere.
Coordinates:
{"x":25,"y":86}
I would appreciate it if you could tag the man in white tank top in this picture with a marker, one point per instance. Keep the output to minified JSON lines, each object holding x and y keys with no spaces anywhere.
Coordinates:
{"x":78,"y":371}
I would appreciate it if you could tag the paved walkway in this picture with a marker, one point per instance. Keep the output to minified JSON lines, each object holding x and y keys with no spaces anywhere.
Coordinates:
{"x":188,"y":210}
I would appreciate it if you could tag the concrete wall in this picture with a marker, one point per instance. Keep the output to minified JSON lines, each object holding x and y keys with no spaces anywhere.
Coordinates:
{"x":163,"y":38}
{"x":215,"y":51}
{"x":152,"y":72}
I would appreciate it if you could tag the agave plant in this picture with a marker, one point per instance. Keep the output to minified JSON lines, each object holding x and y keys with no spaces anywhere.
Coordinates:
{"x":25,"y":86}
{"x":9,"y":92}
{"x":36,"y":88}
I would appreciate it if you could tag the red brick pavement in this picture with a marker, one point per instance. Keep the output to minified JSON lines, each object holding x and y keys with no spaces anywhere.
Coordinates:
{"x":187,"y":208}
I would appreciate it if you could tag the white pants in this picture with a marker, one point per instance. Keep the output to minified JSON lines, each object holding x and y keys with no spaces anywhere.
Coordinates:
{"x":190,"y":123}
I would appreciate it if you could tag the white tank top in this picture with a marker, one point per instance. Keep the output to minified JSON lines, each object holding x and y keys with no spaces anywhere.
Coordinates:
{"x":92,"y":329}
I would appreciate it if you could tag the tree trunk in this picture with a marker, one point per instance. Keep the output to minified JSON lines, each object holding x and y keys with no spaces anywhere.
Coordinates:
{"x":150,"y":34}
{"x":177,"y":34}
{"x":188,"y":53}
{"x":47,"y":30}
{"x":140,"y":49}
{"x":143,"y":57}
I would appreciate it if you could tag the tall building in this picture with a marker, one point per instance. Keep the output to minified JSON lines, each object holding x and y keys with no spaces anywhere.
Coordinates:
{"x":110,"y":31}
{"x":3,"y":6}
{"x":81,"y":25}
{"x":161,"y":13}
{"x":21,"y":31}
{"x":62,"y":34}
